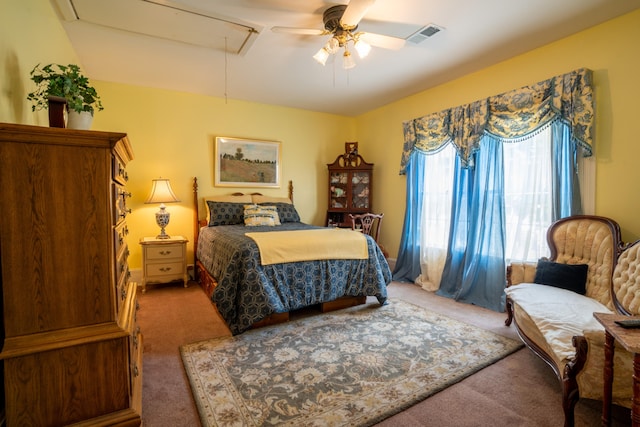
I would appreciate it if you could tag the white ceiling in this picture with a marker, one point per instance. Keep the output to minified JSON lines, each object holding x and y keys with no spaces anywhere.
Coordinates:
{"x":276,"y":68}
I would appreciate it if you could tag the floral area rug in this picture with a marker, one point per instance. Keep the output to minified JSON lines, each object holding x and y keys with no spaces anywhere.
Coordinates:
{"x":352,"y":367}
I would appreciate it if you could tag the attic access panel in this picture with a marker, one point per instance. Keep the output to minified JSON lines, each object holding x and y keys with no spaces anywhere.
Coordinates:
{"x":163,"y":19}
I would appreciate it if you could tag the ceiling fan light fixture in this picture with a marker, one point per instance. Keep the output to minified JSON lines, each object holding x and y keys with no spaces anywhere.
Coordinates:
{"x":332,"y":45}
{"x":321,"y":56}
{"x":341,"y":23}
{"x":363,"y":48}
{"x":347,"y":60}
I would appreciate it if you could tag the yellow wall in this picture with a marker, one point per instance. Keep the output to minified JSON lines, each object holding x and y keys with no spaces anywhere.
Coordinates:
{"x":172,"y":133}
{"x":610,"y":50}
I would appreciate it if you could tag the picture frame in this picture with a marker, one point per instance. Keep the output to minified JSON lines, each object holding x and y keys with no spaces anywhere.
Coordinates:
{"x":242,"y":162}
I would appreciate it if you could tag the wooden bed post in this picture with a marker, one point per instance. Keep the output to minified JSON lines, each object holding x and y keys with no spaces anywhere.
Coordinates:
{"x":291,"y":190}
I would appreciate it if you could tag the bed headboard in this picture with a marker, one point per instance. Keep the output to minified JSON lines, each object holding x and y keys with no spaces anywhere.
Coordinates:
{"x":198,"y":222}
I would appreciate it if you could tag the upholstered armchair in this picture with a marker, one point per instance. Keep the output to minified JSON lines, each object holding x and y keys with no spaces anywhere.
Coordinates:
{"x":558,"y":324}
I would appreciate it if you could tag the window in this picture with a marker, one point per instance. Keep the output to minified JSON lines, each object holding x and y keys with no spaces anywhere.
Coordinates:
{"x":528,"y":203}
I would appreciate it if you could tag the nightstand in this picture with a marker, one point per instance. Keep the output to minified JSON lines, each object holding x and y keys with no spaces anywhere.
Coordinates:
{"x":163,"y":260}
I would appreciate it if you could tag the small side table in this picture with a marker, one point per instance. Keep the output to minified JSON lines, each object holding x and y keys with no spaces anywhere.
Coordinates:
{"x":630,"y":340}
{"x":163,"y":260}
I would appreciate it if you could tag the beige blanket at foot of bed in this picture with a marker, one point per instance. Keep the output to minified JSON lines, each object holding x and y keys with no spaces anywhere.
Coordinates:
{"x":278,"y":247}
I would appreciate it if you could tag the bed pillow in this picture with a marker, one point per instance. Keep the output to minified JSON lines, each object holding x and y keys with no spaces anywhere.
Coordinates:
{"x":259,"y":199}
{"x":286,"y":211}
{"x":225,"y":213}
{"x":572,"y":277}
{"x":231,"y":198}
{"x":255,"y":215}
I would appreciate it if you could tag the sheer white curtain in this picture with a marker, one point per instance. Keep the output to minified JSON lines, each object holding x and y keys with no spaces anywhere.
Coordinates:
{"x":436,"y":215}
{"x":528,"y":196}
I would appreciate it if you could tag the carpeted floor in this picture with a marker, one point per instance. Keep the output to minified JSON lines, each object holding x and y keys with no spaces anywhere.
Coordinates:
{"x":351,"y":367}
{"x":518,"y":390}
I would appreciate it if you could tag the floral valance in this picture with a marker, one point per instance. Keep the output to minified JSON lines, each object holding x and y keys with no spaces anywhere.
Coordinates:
{"x":515,"y":114}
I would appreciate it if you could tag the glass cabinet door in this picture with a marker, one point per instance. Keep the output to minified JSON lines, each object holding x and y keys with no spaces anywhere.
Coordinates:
{"x":360,"y":190}
{"x":338,"y":190}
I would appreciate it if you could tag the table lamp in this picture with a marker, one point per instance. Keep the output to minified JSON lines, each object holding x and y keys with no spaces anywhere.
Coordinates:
{"x":162,"y":193}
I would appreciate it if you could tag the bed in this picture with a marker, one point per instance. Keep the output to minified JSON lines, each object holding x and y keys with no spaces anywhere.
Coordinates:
{"x":250,"y":290}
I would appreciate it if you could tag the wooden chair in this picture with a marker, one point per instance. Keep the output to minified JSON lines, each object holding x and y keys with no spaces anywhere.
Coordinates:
{"x":369,"y":223}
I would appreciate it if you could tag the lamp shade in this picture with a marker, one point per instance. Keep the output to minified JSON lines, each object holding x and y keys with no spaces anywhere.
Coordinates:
{"x":161,"y":192}
{"x":363,"y":48}
{"x":321,"y":56}
{"x":347,"y":60}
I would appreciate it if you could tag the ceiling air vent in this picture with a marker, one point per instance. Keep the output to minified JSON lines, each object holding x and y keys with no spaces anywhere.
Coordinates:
{"x":424,"y":33}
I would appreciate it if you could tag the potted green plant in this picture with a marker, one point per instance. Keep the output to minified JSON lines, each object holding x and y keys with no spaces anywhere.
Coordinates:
{"x":64,"y":83}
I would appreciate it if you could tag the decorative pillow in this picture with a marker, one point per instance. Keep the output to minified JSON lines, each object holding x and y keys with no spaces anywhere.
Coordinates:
{"x":225,"y":213}
{"x":255,"y":215}
{"x":286,"y":211}
{"x":572,"y":277}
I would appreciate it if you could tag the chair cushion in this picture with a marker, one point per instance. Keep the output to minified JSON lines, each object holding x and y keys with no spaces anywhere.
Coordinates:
{"x":572,"y":277}
{"x":558,"y":314}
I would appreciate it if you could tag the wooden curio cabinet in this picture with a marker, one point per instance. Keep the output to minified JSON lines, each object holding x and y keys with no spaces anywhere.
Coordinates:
{"x":350,"y":179}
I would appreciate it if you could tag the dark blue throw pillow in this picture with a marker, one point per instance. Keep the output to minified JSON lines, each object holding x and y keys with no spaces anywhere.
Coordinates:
{"x":572,"y":277}
{"x":286,"y":211}
{"x":225,"y":213}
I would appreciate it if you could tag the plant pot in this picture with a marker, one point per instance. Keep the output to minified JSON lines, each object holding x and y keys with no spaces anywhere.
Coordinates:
{"x":81,"y":121}
{"x":56,"y":108}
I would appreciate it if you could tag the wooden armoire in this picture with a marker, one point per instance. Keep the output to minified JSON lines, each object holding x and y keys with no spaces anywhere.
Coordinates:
{"x":71,"y":349}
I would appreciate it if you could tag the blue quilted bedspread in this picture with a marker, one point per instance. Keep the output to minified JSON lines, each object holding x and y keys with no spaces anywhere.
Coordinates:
{"x":247,"y":291}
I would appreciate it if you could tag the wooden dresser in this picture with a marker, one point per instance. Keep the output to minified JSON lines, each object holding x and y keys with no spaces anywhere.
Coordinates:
{"x":71,"y":348}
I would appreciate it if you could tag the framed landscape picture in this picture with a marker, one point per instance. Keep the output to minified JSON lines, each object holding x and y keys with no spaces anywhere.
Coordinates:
{"x":246,"y":163}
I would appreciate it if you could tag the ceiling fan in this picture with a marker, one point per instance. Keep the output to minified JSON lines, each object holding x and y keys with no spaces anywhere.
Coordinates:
{"x":341,"y":22}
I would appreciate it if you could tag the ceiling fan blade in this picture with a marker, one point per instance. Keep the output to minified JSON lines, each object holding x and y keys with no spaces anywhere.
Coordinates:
{"x":354,"y":12}
{"x":305,"y":31}
{"x":385,"y":42}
